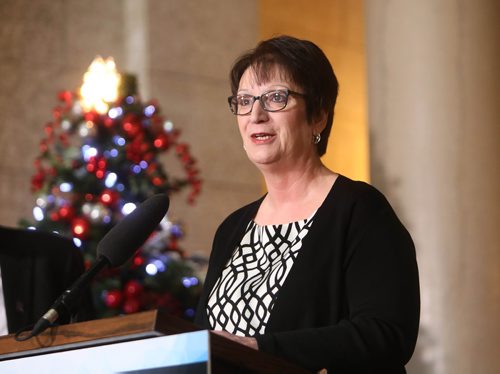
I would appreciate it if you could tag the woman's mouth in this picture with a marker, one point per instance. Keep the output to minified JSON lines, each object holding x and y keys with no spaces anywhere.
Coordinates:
{"x":261,"y":137}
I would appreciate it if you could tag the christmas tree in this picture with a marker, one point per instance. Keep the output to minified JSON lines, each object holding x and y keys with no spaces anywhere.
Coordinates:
{"x":101,"y":156}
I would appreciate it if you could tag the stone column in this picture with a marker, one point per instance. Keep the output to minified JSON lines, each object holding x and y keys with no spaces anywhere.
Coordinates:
{"x":136,"y":42}
{"x":434,"y":118}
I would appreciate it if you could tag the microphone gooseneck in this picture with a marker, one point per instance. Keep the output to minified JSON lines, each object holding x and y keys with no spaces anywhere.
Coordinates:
{"x":69,"y":298}
{"x":114,"y":249}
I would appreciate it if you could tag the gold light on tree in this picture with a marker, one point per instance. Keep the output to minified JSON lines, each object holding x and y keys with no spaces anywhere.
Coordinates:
{"x":100,"y":85}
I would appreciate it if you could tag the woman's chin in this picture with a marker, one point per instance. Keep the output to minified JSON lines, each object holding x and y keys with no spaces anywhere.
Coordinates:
{"x":260,"y":156}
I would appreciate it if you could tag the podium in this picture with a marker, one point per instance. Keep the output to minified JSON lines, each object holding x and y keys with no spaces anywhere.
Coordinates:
{"x":145,"y":342}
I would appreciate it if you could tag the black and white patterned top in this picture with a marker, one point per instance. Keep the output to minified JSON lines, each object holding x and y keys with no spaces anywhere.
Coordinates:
{"x":243,"y":297}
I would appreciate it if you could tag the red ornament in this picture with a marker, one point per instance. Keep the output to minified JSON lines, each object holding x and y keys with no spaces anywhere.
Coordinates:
{"x":91,"y":116}
{"x":92,"y":164}
{"x":37,"y":181}
{"x":135,"y":150}
{"x":113,"y":299}
{"x":49,"y":129}
{"x":108,"y":122}
{"x":131,"y":305}
{"x":80,"y":227}
{"x":181,"y":148}
{"x":66,"y":212}
{"x":64,"y":140}
{"x":157,"y":181}
{"x":43,"y":146}
{"x":65,"y":96}
{"x":173,"y":245}
{"x":133,"y":289}
{"x":138,"y":261}
{"x":148,"y":156}
{"x":87,"y":263}
{"x":56,"y":112}
{"x":54,"y":216}
{"x":109,"y":197}
{"x":101,"y":164}
{"x":132,"y":126}
{"x":162,"y":141}
{"x":152,"y":167}
{"x":97,"y":165}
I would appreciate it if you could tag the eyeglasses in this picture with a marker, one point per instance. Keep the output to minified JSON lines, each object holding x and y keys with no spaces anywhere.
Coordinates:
{"x":271,"y":101}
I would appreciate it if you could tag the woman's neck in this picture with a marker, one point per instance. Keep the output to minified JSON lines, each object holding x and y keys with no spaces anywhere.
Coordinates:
{"x":295,"y":194}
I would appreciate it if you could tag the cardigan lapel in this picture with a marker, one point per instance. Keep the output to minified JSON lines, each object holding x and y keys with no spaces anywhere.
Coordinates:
{"x":303,"y":272}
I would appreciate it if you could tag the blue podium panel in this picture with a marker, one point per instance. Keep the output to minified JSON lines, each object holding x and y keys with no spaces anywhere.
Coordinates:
{"x":182,"y":353}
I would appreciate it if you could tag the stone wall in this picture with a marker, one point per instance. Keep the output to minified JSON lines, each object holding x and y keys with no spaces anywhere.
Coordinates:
{"x":181,"y":52}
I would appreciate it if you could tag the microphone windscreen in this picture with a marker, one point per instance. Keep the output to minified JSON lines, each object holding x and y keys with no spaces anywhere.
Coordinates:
{"x":121,"y":242}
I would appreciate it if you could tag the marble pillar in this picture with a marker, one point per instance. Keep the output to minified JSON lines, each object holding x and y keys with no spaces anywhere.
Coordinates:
{"x":434,"y":122}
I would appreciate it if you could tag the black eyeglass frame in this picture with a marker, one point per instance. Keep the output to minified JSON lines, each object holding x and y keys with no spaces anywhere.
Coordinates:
{"x":255,"y":98}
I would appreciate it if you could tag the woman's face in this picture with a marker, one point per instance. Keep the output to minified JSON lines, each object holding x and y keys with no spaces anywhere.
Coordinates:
{"x":281,"y":138}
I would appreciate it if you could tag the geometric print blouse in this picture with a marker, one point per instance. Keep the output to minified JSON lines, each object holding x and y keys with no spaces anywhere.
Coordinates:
{"x":243,"y":297}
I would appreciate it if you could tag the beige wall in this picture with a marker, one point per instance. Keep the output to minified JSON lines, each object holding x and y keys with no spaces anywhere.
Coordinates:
{"x":337,"y":27}
{"x":181,"y":51}
{"x":192,"y":46}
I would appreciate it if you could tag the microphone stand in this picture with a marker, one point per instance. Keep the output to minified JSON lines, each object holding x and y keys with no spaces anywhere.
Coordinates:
{"x":67,"y":301}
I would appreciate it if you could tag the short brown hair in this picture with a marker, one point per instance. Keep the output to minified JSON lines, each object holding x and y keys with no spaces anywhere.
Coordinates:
{"x":305,"y":64}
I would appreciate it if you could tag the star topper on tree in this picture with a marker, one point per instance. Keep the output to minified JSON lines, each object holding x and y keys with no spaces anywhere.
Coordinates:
{"x":99,"y":158}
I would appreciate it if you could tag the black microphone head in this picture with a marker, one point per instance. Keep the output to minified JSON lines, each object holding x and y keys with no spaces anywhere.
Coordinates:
{"x":121,"y":242}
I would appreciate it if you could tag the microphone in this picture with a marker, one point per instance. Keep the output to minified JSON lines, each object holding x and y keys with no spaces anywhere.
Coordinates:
{"x":114,"y":249}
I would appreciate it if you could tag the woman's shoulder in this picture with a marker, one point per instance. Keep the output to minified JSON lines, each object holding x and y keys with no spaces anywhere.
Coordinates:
{"x":357,"y":203}
{"x":365,"y":209}
{"x":358,"y":193}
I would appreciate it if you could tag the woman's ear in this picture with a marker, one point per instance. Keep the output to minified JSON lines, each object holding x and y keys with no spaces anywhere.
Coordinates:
{"x":319,"y":122}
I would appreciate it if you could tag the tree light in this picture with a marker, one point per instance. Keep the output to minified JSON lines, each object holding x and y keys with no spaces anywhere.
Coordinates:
{"x":100,"y":85}
{"x":128,"y":208}
{"x":38,"y":213}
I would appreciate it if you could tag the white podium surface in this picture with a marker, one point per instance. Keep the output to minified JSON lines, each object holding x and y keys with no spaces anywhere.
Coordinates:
{"x":185,"y":353}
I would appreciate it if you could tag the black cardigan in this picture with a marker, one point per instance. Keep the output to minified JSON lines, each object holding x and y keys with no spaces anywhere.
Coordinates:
{"x":351,"y":300}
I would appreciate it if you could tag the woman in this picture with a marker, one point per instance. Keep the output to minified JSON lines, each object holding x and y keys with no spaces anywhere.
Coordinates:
{"x":319,"y":270}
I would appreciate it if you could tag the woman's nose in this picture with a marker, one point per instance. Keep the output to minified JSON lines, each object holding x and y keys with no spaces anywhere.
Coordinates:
{"x":258,"y":113}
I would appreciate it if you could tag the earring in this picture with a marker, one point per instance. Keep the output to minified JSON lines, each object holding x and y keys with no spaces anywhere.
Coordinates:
{"x":316,"y":138}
